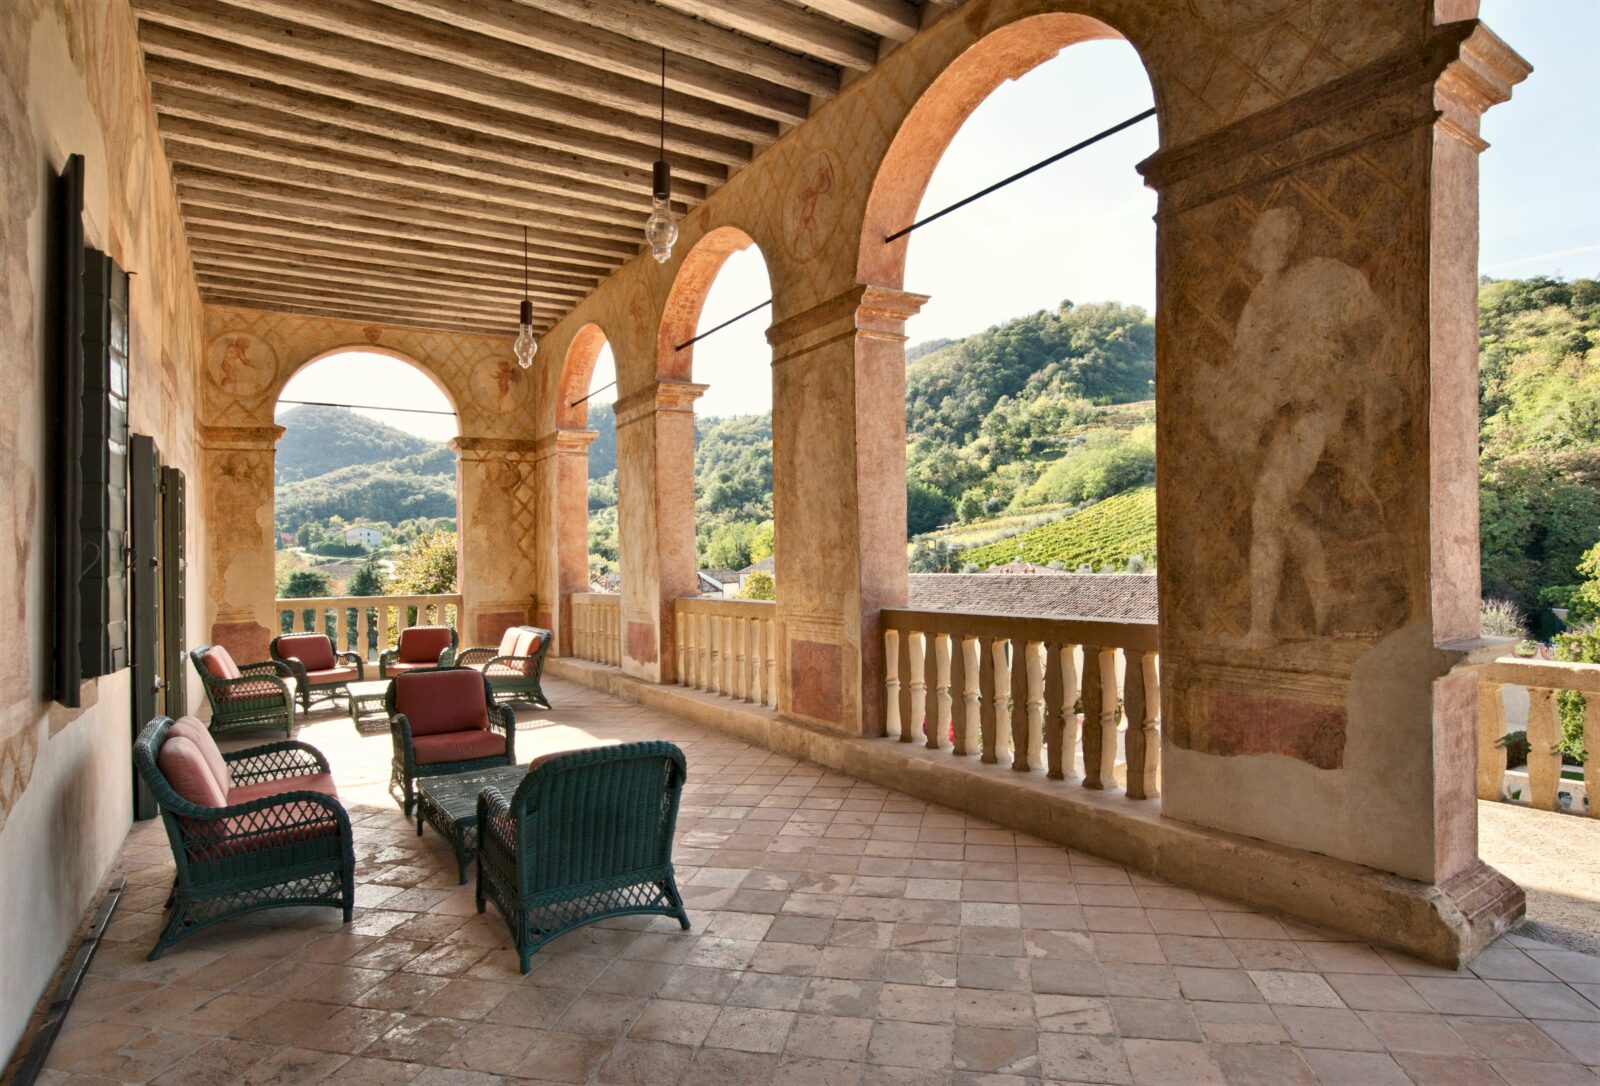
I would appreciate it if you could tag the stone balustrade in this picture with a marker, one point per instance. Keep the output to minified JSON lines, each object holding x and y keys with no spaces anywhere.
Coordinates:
{"x":597,"y":627}
{"x":1544,"y":680}
{"x":728,"y":647}
{"x":1029,"y":692}
{"x":368,"y":625}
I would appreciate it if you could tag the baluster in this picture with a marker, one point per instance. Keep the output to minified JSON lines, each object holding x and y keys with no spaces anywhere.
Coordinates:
{"x":1006,"y":662}
{"x":1591,"y":743}
{"x":751,"y":672}
{"x":962,"y":715}
{"x":909,"y":722}
{"x":1544,"y":753}
{"x":758,"y":668}
{"x":1036,"y":703}
{"x":937,"y":665}
{"x":770,"y":686}
{"x":1092,"y":734}
{"x":1021,"y":650}
{"x":1053,"y":726}
{"x":680,"y":642}
{"x":741,"y":641}
{"x":1143,"y":751}
{"x":696,"y":629}
{"x":919,"y":686}
{"x":891,"y":682}
{"x":1110,"y":717}
{"x":703,"y":664}
{"x":1491,"y":729}
{"x":988,"y":703}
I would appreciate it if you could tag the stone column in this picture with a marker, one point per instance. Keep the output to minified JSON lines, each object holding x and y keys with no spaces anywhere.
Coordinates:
{"x":655,"y":520}
{"x":496,"y":516}
{"x":1317,"y":422}
{"x":839,"y":500}
{"x":238,"y":549}
{"x":563,"y":459}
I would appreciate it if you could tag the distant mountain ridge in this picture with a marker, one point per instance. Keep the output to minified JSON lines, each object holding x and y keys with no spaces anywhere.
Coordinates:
{"x":334,"y":462}
{"x":318,"y":440}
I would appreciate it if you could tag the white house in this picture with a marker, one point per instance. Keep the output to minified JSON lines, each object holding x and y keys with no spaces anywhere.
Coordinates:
{"x":367,"y":537}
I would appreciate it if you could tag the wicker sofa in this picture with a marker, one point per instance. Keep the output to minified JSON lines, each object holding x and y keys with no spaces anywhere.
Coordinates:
{"x":514,"y":667}
{"x":586,"y":836}
{"x":320,"y":673}
{"x":444,"y":720}
{"x":249,"y":696}
{"x":252,"y":829}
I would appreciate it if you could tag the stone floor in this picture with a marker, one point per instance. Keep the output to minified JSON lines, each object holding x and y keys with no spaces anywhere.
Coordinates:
{"x":842,"y":934}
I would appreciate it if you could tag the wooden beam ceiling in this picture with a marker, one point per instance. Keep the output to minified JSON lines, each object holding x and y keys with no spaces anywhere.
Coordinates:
{"x":380,"y":158}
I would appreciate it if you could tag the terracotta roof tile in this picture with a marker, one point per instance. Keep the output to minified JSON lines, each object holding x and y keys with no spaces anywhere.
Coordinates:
{"x":1119,"y":597}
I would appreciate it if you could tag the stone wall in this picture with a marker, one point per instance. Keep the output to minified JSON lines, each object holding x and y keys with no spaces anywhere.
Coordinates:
{"x":1316,"y":260}
{"x":71,"y":81}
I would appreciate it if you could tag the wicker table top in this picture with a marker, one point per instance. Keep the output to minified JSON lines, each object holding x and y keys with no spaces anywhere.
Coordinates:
{"x":369,"y":688}
{"x":456,"y":795}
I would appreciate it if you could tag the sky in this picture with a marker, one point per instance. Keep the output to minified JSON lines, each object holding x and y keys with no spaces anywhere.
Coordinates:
{"x":1082,"y":229}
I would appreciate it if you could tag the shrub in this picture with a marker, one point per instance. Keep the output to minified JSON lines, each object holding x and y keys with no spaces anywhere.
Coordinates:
{"x":426,"y":566}
{"x":1502,"y":618}
{"x":306,"y":584}
{"x":758,"y":586}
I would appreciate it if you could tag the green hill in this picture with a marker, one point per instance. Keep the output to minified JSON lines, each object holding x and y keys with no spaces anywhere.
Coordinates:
{"x":318,"y":440}
{"x":334,"y":463}
{"x":1107,"y":533}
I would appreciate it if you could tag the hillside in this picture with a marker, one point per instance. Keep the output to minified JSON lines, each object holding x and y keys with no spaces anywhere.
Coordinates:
{"x":318,"y":440}
{"x":1106,"y":534}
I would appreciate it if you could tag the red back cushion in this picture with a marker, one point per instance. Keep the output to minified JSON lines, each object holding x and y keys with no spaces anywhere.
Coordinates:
{"x":528,"y":643}
{"x":185,"y":769}
{"x":220,"y":663}
{"x":508,"y":642}
{"x":197,"y":733}
{"x":423,"y":643}
{"x":442,"y":701}
{"x":313,"y":650}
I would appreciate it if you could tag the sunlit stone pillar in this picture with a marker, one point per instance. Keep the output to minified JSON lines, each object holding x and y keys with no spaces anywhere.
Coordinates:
{"x":563,"y":461}
{"x":496,"y":534}
{"x":655,"y":520}
{"x":1317,"y":426}
{"x":839,"y":500}
{"x":236,"y":480}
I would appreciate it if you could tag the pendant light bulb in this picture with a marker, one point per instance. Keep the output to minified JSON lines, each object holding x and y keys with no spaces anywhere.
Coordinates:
{"x":526,"y":345}
{"x":661,"y":229}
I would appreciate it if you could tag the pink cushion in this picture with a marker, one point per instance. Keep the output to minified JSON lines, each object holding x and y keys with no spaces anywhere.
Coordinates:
{"x":197,"y":733}
{"x":187,"y":772}
{"x":437,"y":702}
{"x":259,"y":688}
{"x":220,"y":663}
{"x":463,"y":746}
{"x":508,"y":641}
{"x":423,"y":643}
{"x":396,"y":667}
{"x":311,"y":782}
{"x":331,"y":675}
{"x":315,"y":651}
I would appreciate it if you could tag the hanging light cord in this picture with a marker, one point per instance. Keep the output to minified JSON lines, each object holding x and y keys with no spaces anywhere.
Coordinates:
{"x":524,"y":263}
{"x":662,"y":153}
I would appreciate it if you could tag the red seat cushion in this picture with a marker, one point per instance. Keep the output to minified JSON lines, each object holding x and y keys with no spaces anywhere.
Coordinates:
{"x":311,"y":782}
{"x":263,"y":688}
{"x":396,"y":667}
{"x":220,"y":663}
{"x":436,"y":702}
{"x":331,"y":675}
{"x":197,"y":733}
{"x":464,"y":746}
{"x":314,"y":651}
{"x":422,"y":644}
{"x":186,"y":771}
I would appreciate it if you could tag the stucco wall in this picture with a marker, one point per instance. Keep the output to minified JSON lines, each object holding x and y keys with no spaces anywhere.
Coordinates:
{"x":71,"y":81}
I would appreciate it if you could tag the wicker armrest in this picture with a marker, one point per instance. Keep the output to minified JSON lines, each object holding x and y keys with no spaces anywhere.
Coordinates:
{"x":259,"y":687}
{"x":275,"y":761}
{"x":469,"y":657}
{"x":354,"y":659}
{"x":504,"y":721}
{"x":494,"y":816}
{"x":213,"y":833}
{"x":297,"y":671}
{"x":269,"y":667}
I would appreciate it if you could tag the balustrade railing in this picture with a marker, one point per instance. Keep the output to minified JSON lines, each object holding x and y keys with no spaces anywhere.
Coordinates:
{"x":597,"y":627}
{"x":1545,"y":681}
{"x":369,"y":625}
{"x":1030,"y":692}
{"x":728,"y":647}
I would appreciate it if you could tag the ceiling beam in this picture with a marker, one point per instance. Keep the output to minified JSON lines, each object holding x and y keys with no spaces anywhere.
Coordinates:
{"x":467,"y":80}
{"x":574,"y":40}
{"x":564,"y":133}
{"x":398,"y":119}
{"x":896,"y":20}
{"x":505,"y":291}
{"x":645,"y":21}
{"x":399,"y":318}
{"x":285,"y":285}
{"x":244,"y":252}
{"x":289,"y":160}
{"x":787,"y":27}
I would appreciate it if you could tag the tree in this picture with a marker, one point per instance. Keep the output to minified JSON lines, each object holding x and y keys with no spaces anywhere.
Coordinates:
{"x":367,"y":580}
{"x":932,"y":556}
{"x":926,"y":508}
{"x":426,"y":566}
{"x":970,"y":507}
{"x":758,"y":586}
{"x":306,"y":584}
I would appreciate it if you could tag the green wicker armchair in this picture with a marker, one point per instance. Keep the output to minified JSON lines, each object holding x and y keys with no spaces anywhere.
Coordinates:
{"x":514,"y":668}
{"x":419,"y":647}
{"x":587,"y":836}
{"x":253,"y":829}
{"x":444,"y":720}
{"x":250,"y":697}
{"x":320,"y":673}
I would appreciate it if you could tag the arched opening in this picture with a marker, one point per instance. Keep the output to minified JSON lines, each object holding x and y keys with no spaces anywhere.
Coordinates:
{"x":365,"y":497}
{"x":587,"y":555}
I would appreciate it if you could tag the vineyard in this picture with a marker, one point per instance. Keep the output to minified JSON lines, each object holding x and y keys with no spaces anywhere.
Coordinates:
{"x":1107,"y":533}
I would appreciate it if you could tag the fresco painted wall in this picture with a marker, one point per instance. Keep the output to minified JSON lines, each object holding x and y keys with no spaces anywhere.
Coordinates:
{"x":71,"y":81}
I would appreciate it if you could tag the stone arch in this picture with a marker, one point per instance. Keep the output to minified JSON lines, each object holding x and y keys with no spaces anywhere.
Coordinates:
{"x":686,"y":299}
{"x":289,"y":372}
{"x":577,"y":369}
{"x":1004,"y":53}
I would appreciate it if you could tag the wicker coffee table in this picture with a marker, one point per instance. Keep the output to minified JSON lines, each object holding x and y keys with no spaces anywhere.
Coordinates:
{"x":450,"y":805}
{"x":367,"y":711}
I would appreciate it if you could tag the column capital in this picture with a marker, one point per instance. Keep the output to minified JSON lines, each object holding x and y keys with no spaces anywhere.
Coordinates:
{"x":879,"y":312}
{"x":666,"y":395}
{"x":492,"y":448}
{"x":565,"y":443}
{"x":240,"y":438}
